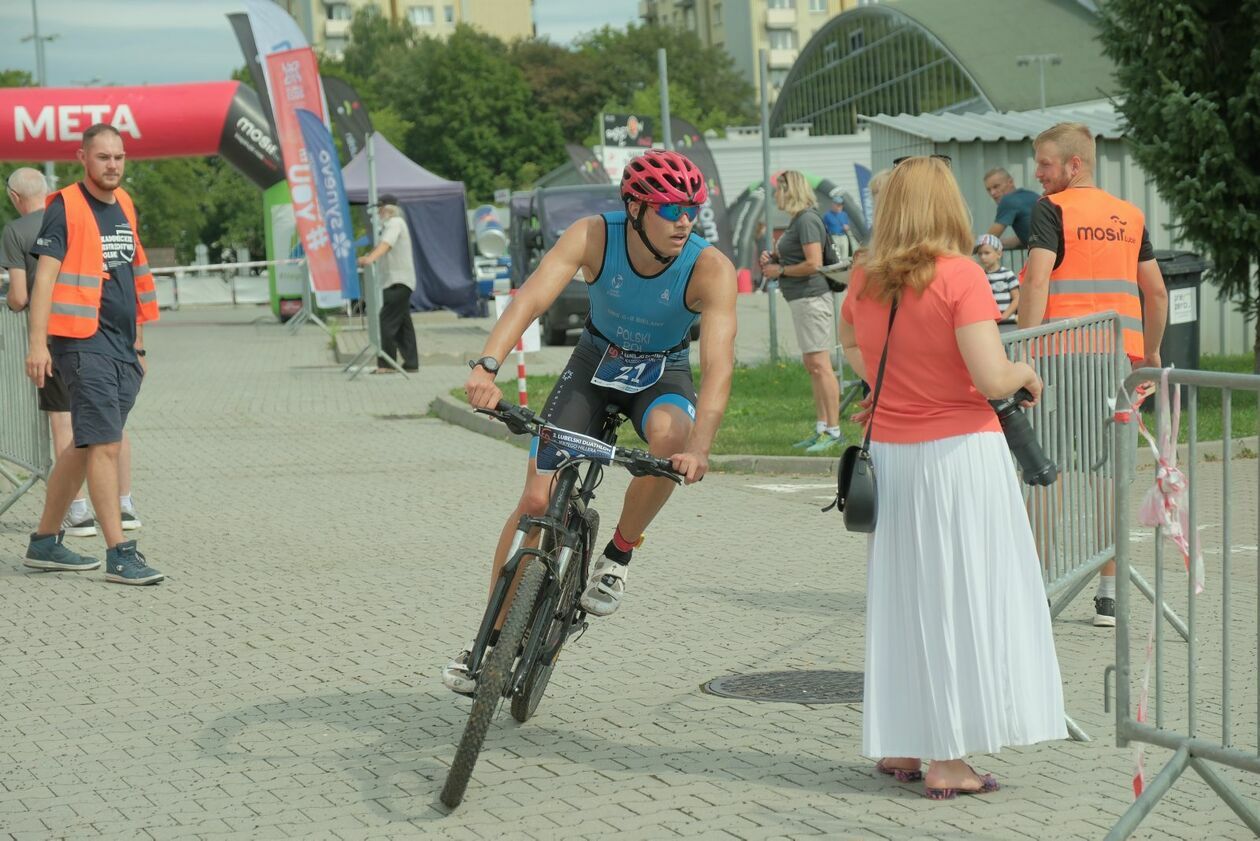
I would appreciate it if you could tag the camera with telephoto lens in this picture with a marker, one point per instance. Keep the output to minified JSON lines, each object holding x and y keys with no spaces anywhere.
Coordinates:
{"x":1033,"y":464}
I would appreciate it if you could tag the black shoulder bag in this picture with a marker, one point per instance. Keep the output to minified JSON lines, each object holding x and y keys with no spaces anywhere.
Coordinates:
{"x":856,"y":496}
{"x":830,"y":258}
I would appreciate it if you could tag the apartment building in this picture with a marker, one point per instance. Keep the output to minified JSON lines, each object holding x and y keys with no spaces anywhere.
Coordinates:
{"x":744,"y":27}
{"x":326,"y":23}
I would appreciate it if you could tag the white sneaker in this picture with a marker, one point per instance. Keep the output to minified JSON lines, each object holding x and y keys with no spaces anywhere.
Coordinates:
{"x":455,"y":676}
{"x":605,"y":588}
{"x":85,"y":527}
{"x":130,"y":519}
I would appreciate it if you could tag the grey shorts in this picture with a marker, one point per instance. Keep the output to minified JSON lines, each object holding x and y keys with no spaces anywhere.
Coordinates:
{"x":102,"y":392}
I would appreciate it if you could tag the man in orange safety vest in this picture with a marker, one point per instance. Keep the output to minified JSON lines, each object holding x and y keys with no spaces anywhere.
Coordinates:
{"x":91,"y":295}
{"x":1089,"y":252}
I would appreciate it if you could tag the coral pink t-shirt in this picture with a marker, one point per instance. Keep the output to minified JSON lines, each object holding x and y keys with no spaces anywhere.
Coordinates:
{"x":927,"y":393}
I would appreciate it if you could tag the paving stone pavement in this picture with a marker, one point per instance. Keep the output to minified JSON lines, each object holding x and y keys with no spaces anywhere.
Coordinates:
{"x":327,"y":548}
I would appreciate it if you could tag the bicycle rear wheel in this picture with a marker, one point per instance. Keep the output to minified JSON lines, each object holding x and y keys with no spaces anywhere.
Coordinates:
{"x":525,"y":703}
{"x":492,"y":681}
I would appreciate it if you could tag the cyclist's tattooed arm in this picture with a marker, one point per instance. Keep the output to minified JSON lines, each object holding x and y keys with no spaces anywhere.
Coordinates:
{"x":712,"y":293}
{"x":571,"y":253}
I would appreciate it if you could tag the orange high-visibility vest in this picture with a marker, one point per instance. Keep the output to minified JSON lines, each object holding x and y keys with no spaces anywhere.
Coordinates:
{"x":1102,"y":236}
{"x":76,"y":298}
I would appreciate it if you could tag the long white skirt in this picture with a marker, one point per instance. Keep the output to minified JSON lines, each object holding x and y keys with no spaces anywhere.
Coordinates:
{"x":959,"y":653}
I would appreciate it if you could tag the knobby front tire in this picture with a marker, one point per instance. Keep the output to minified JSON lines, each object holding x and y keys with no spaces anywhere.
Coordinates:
{"x":493,"y":680}
{"x":525,"y":704}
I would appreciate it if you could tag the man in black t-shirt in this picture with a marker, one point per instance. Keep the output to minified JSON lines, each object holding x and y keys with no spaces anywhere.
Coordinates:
{"x":102,"y":369}
{"x":1095,"y":267}
{"x":28,"y":192}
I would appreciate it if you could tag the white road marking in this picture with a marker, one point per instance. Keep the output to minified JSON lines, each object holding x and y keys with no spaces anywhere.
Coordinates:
{"x":788,"y":489}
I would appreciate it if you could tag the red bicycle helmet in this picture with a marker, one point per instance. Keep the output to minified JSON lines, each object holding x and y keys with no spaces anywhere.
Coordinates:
{"x":662,"y":177}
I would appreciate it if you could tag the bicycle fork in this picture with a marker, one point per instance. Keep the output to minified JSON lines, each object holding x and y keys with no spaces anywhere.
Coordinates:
{"x":543,"y":617}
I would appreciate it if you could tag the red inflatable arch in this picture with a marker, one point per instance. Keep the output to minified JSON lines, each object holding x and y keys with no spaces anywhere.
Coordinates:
{"x":156,"y":121}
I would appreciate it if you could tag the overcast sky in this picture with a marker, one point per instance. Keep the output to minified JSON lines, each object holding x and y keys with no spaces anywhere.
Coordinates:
{"x":137,"y":41}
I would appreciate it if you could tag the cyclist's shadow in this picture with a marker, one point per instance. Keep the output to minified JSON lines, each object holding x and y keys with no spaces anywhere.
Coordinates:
{"x":398,"y":774}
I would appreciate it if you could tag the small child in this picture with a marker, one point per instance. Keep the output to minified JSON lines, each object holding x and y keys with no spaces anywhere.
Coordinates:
{"x":1002,"y":281}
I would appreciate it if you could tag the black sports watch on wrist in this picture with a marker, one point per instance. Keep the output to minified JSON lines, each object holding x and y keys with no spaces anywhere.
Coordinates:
{"x":488,"y":362}
{"x":140,"y":351}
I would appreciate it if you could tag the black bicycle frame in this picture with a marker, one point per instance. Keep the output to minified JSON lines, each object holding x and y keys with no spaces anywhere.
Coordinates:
{"x":567,"y":536}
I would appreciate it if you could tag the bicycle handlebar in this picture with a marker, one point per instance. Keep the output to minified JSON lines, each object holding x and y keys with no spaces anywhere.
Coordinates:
{"x":522,"y":421}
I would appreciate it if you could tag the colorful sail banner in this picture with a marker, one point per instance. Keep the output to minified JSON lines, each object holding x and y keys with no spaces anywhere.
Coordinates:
{"x":712,"y":224}
{"x":864,"y":193}
{"x":331,"y":194}
{"x":253,"y":61}
{"x":586,"y":164}
{"x":274,"y":31}
{"x":350,"y":118}
{"x":294,"y":79}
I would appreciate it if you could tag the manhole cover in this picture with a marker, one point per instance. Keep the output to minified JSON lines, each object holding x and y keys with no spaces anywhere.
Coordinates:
{"x":813,"y":687}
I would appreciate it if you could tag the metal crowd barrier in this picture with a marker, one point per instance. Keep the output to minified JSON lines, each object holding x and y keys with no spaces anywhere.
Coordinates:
{"x":25,"y":439}
{"x":1206,"y":728}
{"x":218,"y":283}
{"x":1081,"y":361}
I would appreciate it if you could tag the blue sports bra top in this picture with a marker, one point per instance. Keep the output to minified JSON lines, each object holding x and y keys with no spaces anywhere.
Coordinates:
{"x":637,"y":313}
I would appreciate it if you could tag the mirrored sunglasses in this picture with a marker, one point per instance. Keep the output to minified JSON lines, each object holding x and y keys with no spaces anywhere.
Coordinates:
{"x":672,"y":212}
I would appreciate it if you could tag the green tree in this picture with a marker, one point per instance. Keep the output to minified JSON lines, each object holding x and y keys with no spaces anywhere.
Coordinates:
{"x":682,"y":104}
{"x":564,"y":82}
{"x":375,"y":43}
{"x":233,"y":211}
{"x":1190,"y":70}
{"x":474,"y":118}
{"x":624,"y":63}
{"x":12,"y":79}
{"x":16,"y":79}
{"x":169,"y":196}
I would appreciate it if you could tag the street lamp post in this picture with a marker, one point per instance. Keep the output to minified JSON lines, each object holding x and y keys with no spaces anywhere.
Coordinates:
{"x":50,"y":173}
{"x":1041,"y":60}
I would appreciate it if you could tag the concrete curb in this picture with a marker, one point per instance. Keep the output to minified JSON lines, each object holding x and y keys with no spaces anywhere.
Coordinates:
{"x":454,"y":411}
{"x":457,"y":412}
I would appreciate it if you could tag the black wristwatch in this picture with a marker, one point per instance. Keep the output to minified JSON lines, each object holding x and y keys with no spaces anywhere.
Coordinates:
{"x":140,"y":351}
{"x":488,"y":362}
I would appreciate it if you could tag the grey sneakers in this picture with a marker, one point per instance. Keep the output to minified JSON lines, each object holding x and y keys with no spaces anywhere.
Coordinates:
{"x":125,"y":565}
{"x":47,"y":552}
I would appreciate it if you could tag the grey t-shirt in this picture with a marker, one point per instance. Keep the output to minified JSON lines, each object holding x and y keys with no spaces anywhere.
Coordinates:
{"x":396,"y":264}
{"x":807,"y":226}
{"x":15,"y":245}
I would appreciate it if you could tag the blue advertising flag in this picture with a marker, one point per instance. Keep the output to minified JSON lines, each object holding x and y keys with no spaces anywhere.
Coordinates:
{"x":331,"y":194}
{"x":864,"y":193}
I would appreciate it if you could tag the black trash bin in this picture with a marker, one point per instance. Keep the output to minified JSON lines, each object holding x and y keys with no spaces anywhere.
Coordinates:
{"x":1183,"y":275}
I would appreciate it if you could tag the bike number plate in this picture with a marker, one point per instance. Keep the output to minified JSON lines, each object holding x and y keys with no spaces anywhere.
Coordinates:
{"x":555,"y":445}
{"x":628,"y":371}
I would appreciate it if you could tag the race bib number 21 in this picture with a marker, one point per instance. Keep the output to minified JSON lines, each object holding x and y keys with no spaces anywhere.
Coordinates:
{"x":628,"y":371}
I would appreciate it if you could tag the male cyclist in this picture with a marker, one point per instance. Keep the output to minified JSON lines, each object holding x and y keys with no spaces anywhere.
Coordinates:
{"x":646,"y":290}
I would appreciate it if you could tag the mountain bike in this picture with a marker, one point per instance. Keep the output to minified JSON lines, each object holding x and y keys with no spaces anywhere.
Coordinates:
{"x":545,"y":609}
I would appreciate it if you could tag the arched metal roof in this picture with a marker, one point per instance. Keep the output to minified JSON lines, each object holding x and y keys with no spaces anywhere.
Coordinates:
{"x":940,"y":56}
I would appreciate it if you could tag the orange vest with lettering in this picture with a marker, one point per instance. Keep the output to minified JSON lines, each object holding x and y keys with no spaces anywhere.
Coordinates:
{"x":76,"y":297}
{"x":1102,"y":236}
